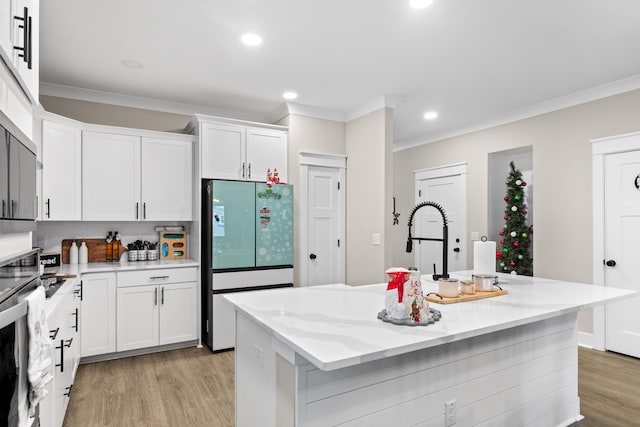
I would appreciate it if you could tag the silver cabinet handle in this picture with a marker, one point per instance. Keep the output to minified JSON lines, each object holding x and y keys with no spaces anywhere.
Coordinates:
{"x":144,"y":210}
{"x":137,"y":210}
{"x":162,"y":298}
{"x":155,"y":301}
{"x":158,"y":277}
{"x":249,"y":170}
{"x":242,"y":170}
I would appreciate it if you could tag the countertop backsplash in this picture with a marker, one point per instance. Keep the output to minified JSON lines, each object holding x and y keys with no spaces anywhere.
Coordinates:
{"x":49,"y":234}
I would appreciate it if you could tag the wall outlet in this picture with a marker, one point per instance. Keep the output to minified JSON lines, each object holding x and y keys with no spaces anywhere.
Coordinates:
{"x":259,"y":355}
{"x":450,"y":412}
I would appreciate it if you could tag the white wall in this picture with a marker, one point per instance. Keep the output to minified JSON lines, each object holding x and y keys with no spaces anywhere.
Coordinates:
{"x":369,"y":203}
{"x":562,"y":164}
{"x":308,"y":134}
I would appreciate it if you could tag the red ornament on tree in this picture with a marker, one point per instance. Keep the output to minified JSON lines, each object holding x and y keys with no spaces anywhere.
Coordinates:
{"x":525,"y":212}
{"x":506,"y":198}
{"x":516,"y":244}
{"x":506,"y":217}
{"x":512,"y":263}
{"x":502,"y":242}
{"x":524,"y":184}
{"x":501,"y":233}
{"x":498,"y":255}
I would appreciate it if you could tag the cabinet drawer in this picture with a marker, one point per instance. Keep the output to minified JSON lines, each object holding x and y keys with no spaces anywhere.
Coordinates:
{"x":157,"y":277}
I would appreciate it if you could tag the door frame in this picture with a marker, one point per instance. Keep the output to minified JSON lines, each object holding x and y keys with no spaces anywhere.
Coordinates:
{"x":600,"y":148}
{"x":442,"y":172}
{"x":336,"y":161}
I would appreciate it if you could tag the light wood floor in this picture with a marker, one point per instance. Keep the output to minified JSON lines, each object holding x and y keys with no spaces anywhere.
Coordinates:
{"x":187,"y":387}
{"x":609,"y":389}
{"x":194,"y":387}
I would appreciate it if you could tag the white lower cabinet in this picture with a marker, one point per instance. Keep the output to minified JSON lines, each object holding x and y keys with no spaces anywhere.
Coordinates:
{"x":156,"y":307}
{"x":64,"y":325}
{"x":98,"y":314}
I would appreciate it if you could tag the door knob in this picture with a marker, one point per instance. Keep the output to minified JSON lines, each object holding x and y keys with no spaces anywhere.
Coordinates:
{"x":456,"y":249}
{"x":610,"y":263}
{"x":312,"y":256}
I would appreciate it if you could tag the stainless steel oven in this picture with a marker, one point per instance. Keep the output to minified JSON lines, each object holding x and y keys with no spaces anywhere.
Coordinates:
{"x":18,"y":277}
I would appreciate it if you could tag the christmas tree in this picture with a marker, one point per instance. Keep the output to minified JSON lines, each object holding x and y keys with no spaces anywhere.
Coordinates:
{"x":516,"y":235}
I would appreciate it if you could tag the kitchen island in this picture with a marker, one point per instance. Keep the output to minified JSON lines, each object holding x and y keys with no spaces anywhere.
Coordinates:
{"x":319,"y":356}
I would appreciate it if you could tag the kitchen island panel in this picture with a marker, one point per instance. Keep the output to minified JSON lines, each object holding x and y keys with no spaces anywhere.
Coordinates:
{"x":507,"y":375}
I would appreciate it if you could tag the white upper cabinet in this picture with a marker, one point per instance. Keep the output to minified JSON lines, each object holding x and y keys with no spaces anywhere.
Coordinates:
{"x":130,"y":178}
{"x":61,"y":172}
{"x":266,"y":149}
{"x":223,"y":151}
{"x":110,"y":177}
{"x":167,"y":176}
{"x":231,"y":149}
{"x":19,"y":35}
{"x":6,"y":25}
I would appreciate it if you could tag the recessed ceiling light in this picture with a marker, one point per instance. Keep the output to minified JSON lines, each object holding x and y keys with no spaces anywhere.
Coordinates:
{"x":131,"y":64}
{"x":420,"y":4}
{"x":430,"y":115}
{"x":289,"y":95}
{"x":251,"y":39}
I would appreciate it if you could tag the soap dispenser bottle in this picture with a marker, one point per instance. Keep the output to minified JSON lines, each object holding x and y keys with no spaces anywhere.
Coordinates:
{"x":83,"y":253}
{"x":73,"y":253}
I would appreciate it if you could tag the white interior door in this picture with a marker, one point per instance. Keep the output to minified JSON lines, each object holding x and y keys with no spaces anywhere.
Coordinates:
{"x":622,"y":228}
{"x":325,"y":248}
{"x":448,"y":191}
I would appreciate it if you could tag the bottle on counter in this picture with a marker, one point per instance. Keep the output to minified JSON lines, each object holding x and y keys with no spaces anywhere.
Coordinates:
{"x":73,"y":253}
{"x":83,"y":253}
{"x":109,"y":247}
{"x":116,"y":247}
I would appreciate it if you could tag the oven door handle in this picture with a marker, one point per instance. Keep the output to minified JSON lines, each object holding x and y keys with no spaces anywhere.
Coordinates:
{"x":12,"y":314}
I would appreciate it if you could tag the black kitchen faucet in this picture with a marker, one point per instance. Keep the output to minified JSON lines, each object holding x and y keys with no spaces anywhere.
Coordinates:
{"x":444,"y":240}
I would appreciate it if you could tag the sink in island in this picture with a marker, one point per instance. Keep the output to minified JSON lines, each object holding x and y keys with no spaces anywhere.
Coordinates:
{"x":319,"y":356}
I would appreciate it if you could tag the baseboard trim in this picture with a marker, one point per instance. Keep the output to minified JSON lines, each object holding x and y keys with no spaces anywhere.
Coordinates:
{"x":585,"y":339}
{"x":138,"y":352}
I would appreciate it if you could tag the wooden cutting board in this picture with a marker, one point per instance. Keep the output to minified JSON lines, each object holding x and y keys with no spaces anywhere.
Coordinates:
{"x":96,"y":248}
{"x":464,"y":297}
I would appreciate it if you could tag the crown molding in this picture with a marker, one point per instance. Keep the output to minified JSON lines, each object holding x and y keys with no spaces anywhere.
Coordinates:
{"x":577,"y":98}
{"x":378,"y":103}
{"x":81,"y":94}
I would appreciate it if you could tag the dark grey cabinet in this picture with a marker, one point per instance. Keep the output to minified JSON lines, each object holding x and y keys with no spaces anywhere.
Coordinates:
{"x":17,"y":179}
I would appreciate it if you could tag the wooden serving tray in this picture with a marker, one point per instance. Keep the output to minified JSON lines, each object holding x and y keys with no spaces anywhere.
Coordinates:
{"x":96,"y":248}
{"x":465,"y":297}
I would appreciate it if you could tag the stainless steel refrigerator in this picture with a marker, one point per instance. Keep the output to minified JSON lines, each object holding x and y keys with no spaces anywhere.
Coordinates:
{"x":247,"y":245}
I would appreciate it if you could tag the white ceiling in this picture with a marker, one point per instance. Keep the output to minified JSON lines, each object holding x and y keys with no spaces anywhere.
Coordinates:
{"x":474,"y":61}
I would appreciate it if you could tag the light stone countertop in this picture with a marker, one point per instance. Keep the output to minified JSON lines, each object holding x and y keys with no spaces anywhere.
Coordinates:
{"x":335,"y":326}
{"x":104,"y":267}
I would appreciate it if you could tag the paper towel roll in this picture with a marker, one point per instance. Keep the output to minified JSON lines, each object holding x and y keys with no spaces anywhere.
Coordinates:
{"x":484,"y":257}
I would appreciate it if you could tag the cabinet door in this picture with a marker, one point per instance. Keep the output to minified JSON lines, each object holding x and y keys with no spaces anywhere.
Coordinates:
{"x":167,"y":177}
{"x":4,"y":173}
{"x":110,"y":177}
{"x":178,"y":312}
{"x":61,"y":172}
{"x":98,"y":314}
{"x":222,"y":151}
{"x":137,"y":317}
{"x":22,"y":181}
{"x":266,"y":149}
{"x":25,"y":36}
{"x":6,"y":24}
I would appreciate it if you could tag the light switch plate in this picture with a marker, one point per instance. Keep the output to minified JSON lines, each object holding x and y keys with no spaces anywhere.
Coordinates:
{"x":375,"y":239}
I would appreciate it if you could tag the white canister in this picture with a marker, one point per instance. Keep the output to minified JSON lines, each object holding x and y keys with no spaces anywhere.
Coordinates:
{"x":132,"y":255}
{"x":484,"y":282}
{"x":142,"y":254}
{"x":448,"y":288}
